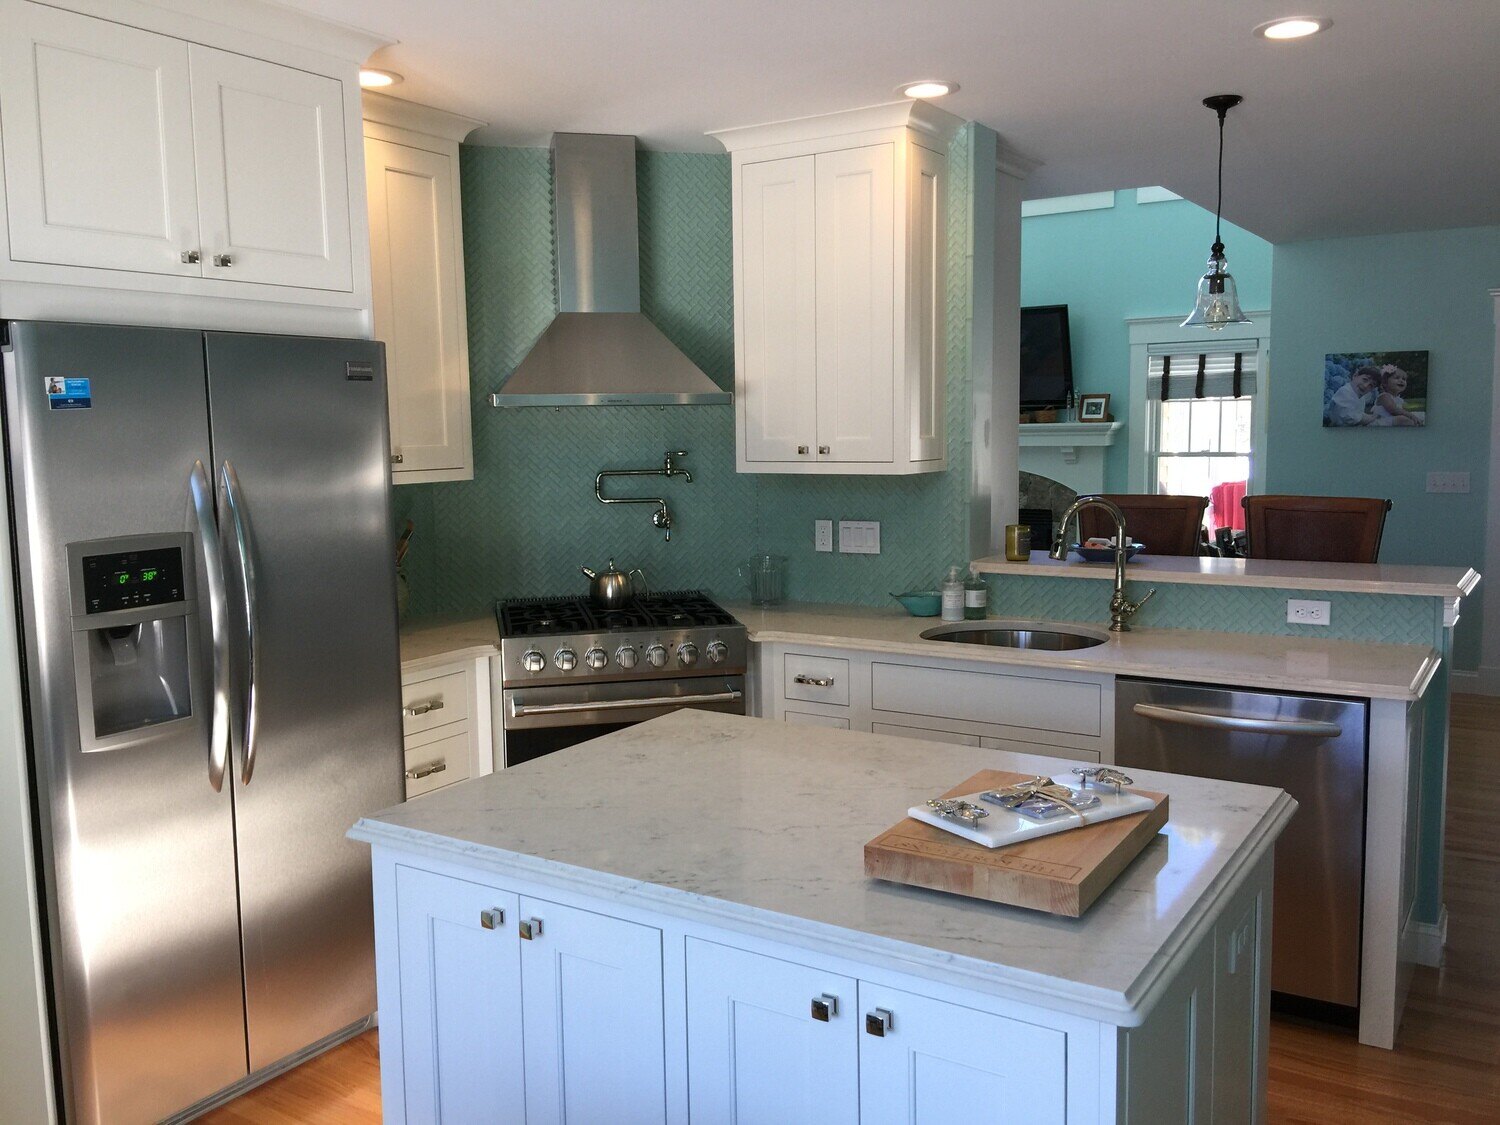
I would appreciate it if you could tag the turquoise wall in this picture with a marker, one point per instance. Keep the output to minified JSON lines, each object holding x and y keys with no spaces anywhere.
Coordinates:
{"x":1422,"y":291}
{"x":528,"y":519}
{"x":1126,"y":261}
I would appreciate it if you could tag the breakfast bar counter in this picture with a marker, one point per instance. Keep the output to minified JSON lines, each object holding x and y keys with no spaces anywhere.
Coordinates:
{"x":689,"y":892}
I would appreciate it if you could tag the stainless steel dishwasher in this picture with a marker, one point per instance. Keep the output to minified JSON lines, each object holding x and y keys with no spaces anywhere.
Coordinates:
{"x":1314,"y":748}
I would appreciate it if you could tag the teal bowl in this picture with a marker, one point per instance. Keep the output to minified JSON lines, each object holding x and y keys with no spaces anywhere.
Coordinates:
{"x":921,"y":603}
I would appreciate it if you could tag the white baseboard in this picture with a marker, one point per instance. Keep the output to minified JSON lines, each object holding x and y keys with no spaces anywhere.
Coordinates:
{"x":1483,"y":681}
{"x":1428,"y":939}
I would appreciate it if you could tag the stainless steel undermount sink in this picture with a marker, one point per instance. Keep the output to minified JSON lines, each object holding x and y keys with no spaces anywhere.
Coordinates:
{"x":1002,"y":634}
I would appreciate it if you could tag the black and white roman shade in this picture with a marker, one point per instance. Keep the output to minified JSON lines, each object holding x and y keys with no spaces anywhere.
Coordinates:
{"x":1173,"y":373}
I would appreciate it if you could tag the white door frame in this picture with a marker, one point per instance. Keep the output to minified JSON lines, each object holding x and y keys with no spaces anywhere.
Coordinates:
{"x":1487,"y":680}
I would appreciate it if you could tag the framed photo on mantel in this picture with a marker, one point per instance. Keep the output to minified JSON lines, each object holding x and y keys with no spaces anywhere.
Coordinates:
{"x":1093,"y":408}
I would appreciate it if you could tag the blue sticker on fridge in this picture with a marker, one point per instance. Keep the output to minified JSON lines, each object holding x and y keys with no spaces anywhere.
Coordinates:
{"x":68,"y":394}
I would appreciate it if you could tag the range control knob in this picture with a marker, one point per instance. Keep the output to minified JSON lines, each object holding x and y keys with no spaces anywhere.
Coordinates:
{"x":626,"y":657}
{"x":687,"y":654}
{"x":565,"y":659}
{"x":656,"y":656}
{"x":533,"y":661}
{"x":596,"y":658}
{"x":717,"y":652}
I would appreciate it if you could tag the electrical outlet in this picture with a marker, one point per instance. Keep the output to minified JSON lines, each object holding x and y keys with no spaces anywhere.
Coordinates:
{"x":859,"y":537}
{"x":1447,"y":482}
{"x":822,"y":535}
{"x":1299,"y":612}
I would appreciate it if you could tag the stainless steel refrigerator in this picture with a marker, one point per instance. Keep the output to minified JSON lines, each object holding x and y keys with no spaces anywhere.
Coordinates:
{"x":207,"y":596}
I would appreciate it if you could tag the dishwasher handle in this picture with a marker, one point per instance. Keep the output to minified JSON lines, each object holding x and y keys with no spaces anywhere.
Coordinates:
{"x":1304,"y":728}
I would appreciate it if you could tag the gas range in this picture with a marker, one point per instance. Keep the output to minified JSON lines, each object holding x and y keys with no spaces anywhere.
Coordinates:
{"x":546,"y":641}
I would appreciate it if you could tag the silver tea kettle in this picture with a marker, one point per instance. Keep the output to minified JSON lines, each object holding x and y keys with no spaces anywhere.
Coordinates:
{"x":612,"y":588}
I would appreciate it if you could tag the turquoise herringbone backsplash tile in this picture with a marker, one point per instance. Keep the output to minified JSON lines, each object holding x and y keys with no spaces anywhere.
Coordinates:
{"x":529,"y":517}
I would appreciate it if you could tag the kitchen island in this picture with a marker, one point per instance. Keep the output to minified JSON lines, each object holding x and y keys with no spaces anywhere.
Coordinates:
{"x":672,"y":922}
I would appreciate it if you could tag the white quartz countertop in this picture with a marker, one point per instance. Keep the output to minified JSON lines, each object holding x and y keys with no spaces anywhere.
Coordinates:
{"x":1346,"y":668}
{"x":760,"y":827}
{"x":431,"y":642}
{"x":1352,"y":578}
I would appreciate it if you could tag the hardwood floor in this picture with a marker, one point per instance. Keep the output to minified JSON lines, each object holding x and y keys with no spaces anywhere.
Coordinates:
{"x":1445,"y":1069}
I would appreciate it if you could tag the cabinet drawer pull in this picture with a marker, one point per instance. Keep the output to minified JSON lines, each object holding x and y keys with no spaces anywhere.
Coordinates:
{"x":223,"y":261}
{"x":422,"y":708}
{"x":398,"y":459}
{"x":813,"y":681}
{"x":802,"y":450}
{"x":417,"y":773}
{"x":492,"y":919}
{"x":824,"y":450}
{"x":191,"y":257}
{"x":878,"y":1022}
{"x":824,"y":1007}
{"x":531,"y":928}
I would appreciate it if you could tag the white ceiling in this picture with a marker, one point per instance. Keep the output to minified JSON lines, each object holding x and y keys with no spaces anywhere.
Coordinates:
{"x":1388,"y":121}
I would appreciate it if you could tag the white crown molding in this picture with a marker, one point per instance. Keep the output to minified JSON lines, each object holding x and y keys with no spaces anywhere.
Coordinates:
{"x":417,"y":118}
{"x":1012,"y":161}
{"x":914,"y":114}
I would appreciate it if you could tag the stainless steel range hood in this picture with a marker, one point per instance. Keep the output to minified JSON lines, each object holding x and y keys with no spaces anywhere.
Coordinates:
{"x":600,"y":350}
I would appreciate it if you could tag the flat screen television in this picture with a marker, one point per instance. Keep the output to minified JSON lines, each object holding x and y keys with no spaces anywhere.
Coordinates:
{"x":1046,"y":357}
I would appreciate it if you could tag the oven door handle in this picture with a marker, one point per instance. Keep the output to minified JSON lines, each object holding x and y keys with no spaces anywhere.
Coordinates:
{"x":521,"y":710}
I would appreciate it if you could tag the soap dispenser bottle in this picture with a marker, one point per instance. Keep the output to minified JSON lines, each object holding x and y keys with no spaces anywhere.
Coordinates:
{"x":953,"y":595}
{"x":976,"y":598}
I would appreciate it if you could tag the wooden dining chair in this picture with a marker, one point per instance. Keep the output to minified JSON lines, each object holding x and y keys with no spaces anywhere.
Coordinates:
{"x":1167,"y":525}
{"x":1314,"y":528}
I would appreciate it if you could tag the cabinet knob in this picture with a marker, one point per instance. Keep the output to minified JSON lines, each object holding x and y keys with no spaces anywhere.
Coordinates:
{"x":824,"y":1007}
{"x":531,"y":928}
{"x":823,"y":449}
{"x":802,"y":450}
{"x":191,"y":257}
{"x":222,"y":261}
{"x":492,"y":919}
{"x":397,"y":459}
{"x":878,"y":1022}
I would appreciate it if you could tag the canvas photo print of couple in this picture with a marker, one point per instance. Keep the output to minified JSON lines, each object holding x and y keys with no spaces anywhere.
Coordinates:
{"x":1375,"y":389}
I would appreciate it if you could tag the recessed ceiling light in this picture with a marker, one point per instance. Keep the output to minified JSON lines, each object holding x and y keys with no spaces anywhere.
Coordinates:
{"x":1293,"y":27}
{"x":926,"y":88}
{"x":372,"y":79}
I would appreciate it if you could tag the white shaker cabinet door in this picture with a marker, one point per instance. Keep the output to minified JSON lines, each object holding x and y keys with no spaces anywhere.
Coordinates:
{"x":417,"y":267}
{"x":921,"y":1059}
{"x":856,"y":266}
{"x":758,"y":1051}
{"x":778,"y":378}
{"x":98,"y":144}
{"x":593,"y":1018}
{"x":460,"y":971}
{"x":273,"y":191}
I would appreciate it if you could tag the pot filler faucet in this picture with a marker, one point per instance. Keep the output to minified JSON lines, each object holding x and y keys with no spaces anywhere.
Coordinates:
{"x":1120,"y":609}
{"x":663,"y":515}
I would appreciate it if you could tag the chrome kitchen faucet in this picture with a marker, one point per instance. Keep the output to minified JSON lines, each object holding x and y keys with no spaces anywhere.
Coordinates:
{"x":1120,"y":608}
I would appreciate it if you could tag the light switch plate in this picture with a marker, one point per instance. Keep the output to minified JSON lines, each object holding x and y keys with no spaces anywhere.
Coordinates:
{"x":822,"y":535}
{"x":1300,"y":612}
{"x":859,"y":537}
{"x":1447,"y":482}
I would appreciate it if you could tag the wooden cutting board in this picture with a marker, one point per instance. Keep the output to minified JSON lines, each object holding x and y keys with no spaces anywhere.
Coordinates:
{"x":1061,"y":874}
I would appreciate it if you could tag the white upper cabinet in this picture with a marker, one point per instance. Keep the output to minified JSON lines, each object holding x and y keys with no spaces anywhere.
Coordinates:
{"x":273,"y":191}
{"x":98,"y":144}
{"x":417,"y":273}
{"x":161,"y":158}
{"x":840,"y":302}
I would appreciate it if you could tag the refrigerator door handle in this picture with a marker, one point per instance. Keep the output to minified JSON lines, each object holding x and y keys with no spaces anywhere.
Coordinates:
{"x":218,"y":620}
{"x":1310,"y":728}
{"x":243,"y":541}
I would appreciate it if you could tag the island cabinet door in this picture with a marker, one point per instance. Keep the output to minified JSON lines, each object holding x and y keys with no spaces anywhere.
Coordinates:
{"x":770,"y":1042}
{"x":921,"y":1060}
{"x":592,"y":988}
{"x":460,"y":1000}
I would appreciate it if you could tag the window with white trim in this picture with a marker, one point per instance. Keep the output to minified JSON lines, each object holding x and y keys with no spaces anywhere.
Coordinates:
{"x":1201,"y":425}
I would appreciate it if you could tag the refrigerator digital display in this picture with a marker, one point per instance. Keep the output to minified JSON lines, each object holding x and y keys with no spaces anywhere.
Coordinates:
{"x":132,"y":579}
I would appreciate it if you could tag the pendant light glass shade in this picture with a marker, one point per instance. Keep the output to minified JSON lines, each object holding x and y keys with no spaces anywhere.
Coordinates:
{"x":1218,"y":301}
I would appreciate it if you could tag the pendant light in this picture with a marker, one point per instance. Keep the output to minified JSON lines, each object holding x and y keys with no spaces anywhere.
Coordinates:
{"x":1218,"y":299}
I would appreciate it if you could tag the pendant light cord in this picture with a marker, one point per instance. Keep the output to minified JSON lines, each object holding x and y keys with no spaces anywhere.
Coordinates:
{"x":1219,"y":206}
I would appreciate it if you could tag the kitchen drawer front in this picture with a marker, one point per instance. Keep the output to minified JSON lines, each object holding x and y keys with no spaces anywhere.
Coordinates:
{"x":930,"y":735}
{"x":1046,"y":750}
{"x":1058,"y":706}
{"x":441,"y":760}
{"x":434,"y":702}
{"x":808,"y":719}
{"x":817,"y":679}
